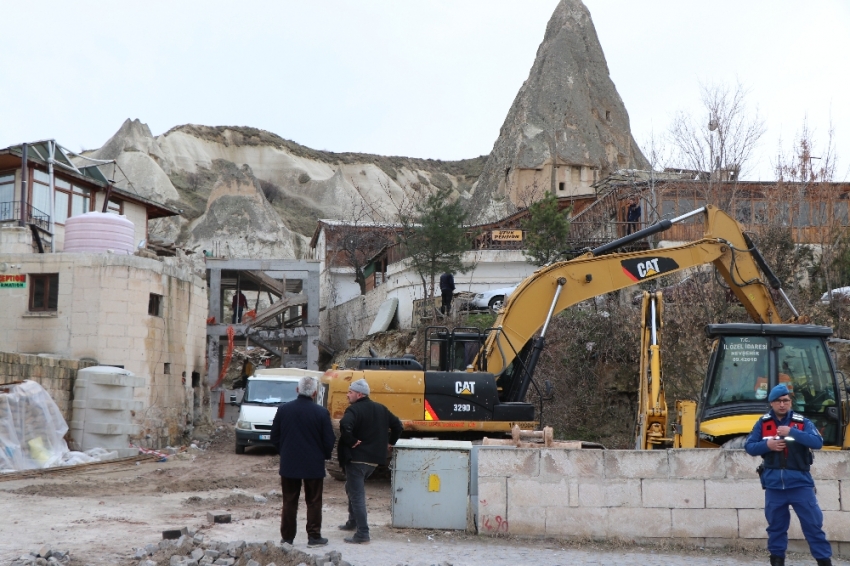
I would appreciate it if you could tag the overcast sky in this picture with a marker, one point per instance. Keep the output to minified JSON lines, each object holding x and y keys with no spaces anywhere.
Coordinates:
{"x":419,"y":78}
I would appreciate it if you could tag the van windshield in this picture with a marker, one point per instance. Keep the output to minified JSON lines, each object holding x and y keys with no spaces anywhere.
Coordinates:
{"x":270,"y":392}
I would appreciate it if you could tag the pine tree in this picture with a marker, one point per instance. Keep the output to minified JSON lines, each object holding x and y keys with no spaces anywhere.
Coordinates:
{"x":435,"y":236}
{"x":546,"y":231}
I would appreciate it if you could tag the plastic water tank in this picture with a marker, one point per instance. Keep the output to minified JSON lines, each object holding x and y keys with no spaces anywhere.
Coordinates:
{"x":102,"y":413}
{"x":99,"y":232}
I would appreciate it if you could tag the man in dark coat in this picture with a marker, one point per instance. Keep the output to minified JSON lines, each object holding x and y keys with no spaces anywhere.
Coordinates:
{"x":785,"y":440}
{"x":447,"y":289}
{"x":633,"y":215}
{"x":304,"y":437}
{"x":367,"y":430}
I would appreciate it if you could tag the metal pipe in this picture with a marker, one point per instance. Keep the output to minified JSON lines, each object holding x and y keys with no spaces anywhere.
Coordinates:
{"x":561,"y":282}
{"x":51,"y":152}
{"x":652,"y":318}
{"x":24,"y":177}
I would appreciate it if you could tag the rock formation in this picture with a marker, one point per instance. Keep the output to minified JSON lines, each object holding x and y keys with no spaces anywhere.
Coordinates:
{"x":568,"y":108}
{"x":246,"y":185}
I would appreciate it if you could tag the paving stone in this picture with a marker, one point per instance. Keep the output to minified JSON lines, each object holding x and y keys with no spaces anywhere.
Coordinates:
{"x":173,"y":534}
{"x":218,"y":517}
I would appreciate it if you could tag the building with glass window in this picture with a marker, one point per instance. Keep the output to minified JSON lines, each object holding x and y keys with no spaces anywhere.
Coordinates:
{"x":104,"y":299}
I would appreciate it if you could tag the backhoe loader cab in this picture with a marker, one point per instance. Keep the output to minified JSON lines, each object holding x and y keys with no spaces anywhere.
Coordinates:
{"x":748,"y":360}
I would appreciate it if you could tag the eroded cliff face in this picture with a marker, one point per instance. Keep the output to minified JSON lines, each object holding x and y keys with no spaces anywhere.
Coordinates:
{"x":251,"y":193}
{"x":568,"y":109}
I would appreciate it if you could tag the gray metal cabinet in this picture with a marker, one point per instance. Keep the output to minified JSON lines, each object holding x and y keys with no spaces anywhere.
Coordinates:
{"x":430,"y":484}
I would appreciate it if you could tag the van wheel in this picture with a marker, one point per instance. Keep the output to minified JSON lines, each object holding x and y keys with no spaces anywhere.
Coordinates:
{"x":240,"y":449}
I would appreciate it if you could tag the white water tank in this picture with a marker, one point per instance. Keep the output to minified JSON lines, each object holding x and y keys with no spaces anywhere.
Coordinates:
{"x":102,"y":413}
{"x":99,"y":232}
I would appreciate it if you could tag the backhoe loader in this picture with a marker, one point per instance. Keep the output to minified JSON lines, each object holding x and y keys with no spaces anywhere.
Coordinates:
{"x":746,"y":361}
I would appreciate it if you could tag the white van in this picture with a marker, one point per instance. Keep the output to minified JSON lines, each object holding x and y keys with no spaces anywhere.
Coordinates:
{"x":265,"y":391}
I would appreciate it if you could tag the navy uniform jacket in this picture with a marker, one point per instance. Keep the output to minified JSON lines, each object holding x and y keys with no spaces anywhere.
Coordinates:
{"x":303,"y":435}
{"x":793,"y":471}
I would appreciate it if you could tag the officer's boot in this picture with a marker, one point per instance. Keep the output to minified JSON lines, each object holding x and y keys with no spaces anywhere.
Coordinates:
{"x":824,"y":561}
{"x":777,"y":560}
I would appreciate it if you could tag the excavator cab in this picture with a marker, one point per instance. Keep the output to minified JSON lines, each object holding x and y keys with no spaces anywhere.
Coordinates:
{"x":452,"y":350}
{"x":748,"y":360}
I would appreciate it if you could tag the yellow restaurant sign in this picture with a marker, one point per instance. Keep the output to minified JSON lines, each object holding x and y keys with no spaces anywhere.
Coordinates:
{"x":507,"y":235}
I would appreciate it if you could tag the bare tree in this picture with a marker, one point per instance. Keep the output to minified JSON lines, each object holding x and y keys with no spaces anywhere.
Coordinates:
{"x":718,"y":142}
{"x":358,"y":238}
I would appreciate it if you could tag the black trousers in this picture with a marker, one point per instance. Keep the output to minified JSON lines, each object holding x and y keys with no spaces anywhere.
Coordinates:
{"x":291,"y":491}
{"x":447,"y":302}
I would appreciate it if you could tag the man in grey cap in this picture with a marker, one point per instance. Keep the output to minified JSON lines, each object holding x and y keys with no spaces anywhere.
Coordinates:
{"x":367,"y":430}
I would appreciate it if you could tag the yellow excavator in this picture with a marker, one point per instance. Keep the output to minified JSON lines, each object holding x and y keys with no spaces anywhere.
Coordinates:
{"x":472,"y":383}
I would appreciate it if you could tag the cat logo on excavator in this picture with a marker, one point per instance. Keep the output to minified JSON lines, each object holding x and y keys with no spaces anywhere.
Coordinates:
{"x":465,"y":387}
{"x":644,"y":268}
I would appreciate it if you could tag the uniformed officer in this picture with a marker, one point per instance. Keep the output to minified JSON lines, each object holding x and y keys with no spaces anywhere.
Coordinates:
{"x":785,"y":440}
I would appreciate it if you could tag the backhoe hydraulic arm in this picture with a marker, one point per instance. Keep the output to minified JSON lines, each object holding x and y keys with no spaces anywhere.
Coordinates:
{"x":554,"y":287}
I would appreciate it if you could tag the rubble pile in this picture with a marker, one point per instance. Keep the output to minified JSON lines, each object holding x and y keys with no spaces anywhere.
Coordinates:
{"x":192,"y":549}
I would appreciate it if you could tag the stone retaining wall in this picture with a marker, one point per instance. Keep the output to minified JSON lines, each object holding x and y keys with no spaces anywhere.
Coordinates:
{"x":702,"y":497}
{"x":55,"y":375}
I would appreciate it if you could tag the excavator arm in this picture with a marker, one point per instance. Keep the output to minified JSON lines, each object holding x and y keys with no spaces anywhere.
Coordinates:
{"x":554,"y":287}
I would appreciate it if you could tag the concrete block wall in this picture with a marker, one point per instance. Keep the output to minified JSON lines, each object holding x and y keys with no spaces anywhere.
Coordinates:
{"x":352,"y":319}
{"x":55,"y":375}
{"x":102,"y":314}
{"x":702,"y":497}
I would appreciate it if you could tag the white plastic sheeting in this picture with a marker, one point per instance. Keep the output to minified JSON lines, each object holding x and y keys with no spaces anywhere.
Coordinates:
{"x":32,"y":431}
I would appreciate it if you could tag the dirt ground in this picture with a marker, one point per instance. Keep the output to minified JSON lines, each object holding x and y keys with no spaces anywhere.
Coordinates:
{"x":101,"y":514}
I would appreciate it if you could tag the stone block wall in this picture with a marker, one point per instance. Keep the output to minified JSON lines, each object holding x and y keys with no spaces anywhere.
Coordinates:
{"x":55,"y":375}
{"x":352,"y":319}
{"x":702,"y":497}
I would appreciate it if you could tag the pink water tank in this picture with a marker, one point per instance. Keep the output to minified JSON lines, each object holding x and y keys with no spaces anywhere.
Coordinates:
{"x":99,"y":232}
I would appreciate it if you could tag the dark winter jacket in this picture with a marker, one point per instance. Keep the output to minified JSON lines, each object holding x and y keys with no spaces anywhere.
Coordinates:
{"x":304,"y":437}
{"x":374,"y":426}
{"x":786,"y":471}
{"x":447,"y":283}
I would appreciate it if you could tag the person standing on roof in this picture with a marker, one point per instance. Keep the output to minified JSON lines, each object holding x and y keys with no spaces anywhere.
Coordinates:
{"x":785,"y":440}
{"x":304,"y":437}
{"x":367,"y":430}
{"x":447,"y":288}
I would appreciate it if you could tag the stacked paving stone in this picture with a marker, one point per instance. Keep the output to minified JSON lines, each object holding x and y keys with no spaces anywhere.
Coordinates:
{"x":192,"y":549}
{"x":55,"y":375}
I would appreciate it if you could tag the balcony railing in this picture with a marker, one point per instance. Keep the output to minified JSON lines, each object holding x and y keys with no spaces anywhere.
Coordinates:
{"x":10,"y":211}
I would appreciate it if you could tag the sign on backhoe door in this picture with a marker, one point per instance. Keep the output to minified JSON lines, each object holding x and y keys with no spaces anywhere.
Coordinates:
{"x":507,"y":235}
